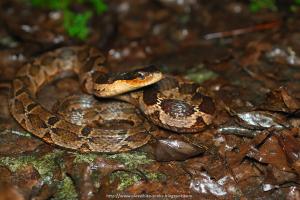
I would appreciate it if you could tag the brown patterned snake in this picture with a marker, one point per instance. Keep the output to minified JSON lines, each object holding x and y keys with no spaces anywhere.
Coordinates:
{"x":170,"y":104}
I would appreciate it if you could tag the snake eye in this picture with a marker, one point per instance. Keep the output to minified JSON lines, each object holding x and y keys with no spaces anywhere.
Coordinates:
{"x":141,"y":75}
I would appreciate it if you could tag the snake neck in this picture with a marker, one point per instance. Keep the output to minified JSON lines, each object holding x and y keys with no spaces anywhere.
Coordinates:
{"x":131,"y":97}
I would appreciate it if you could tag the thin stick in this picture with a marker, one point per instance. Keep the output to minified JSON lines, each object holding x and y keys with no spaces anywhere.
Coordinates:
{"x":241,"y":31}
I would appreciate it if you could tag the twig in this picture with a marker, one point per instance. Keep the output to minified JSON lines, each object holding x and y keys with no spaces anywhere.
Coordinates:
{"x":241,"y":31}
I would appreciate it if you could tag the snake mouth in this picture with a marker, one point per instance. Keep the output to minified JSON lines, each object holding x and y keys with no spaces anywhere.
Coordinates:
{"x":122,"y":86}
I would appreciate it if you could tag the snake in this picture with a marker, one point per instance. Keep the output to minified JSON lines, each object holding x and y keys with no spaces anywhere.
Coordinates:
{"x":165,"y":101}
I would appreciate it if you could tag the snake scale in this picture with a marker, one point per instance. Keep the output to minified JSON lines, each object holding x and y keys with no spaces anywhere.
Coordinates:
{"x":165,"y":101}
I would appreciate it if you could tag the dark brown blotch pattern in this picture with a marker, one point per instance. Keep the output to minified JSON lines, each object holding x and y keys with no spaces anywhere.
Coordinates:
{"x":168,"y":83}
{"x":56,"y":130}
{"x":23,"y":123}
{"x":176,"y":108}
{"x":188,"y":88}
{"x":126,"y":76}
{"x":150,"y":95}
{"x":21,"y":91}
{"x":199,"y":121}
{"x":84,"y":148}
{"x":52,"y":120}
{"x":207,"y":105}
{"x":89,"y":64}
{"x":65,"y":135}
{"x":36,"y":121}
{"x":47,"y":137}
{"x":19,"y":107}
{"x":86,"y":131}
{"x":197,"y":96}
{"x":100,"y":78}
{"x":136,"y":137}
{"x":31,"y":106}
{"x":136,"y":74}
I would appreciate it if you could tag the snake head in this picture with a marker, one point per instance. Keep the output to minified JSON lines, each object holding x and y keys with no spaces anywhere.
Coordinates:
{"x":112,"y":84}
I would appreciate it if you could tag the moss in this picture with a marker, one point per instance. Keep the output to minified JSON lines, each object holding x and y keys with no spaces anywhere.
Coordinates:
{"x":65,"y":190}
{"x":127,"y":179}
{"x":84,"y":157}
{"x":200,"y":74}
{"x":156,"y":176}
{"x":132,"y":159}
{"x":45,"y":165}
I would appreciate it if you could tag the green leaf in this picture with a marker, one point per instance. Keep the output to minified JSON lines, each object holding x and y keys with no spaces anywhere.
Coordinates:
{"x":257,"y":5}
{"x":99,"y":5}
{"x":76,"y":24}
{"x":297,"y":2}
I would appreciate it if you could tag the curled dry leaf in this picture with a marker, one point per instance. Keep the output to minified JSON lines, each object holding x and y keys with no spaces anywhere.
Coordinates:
{"x":87,"y":172}
{"x":235,"y":158}
{"x":259,"y":120}
{"x":45,"y":192}
{"x":291,"y":102}
{"x":254,"y":51}
{"x":245,"y":171}
{"x":275,"y":177}
{"x":270,"y":152}
{"x":211,"y":164}
{"x":209,"y":187}
{"x":27,"y":178}
{"x":167,"y":146}
{"x":281,"y":100}
{"x":81,"y":174}
{"x":234,"y":128}
{"x":291,"y":147}
{"x":174,"y":149}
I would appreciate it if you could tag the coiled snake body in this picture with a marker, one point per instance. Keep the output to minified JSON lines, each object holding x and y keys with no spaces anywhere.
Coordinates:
{"x":170,"y":104}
